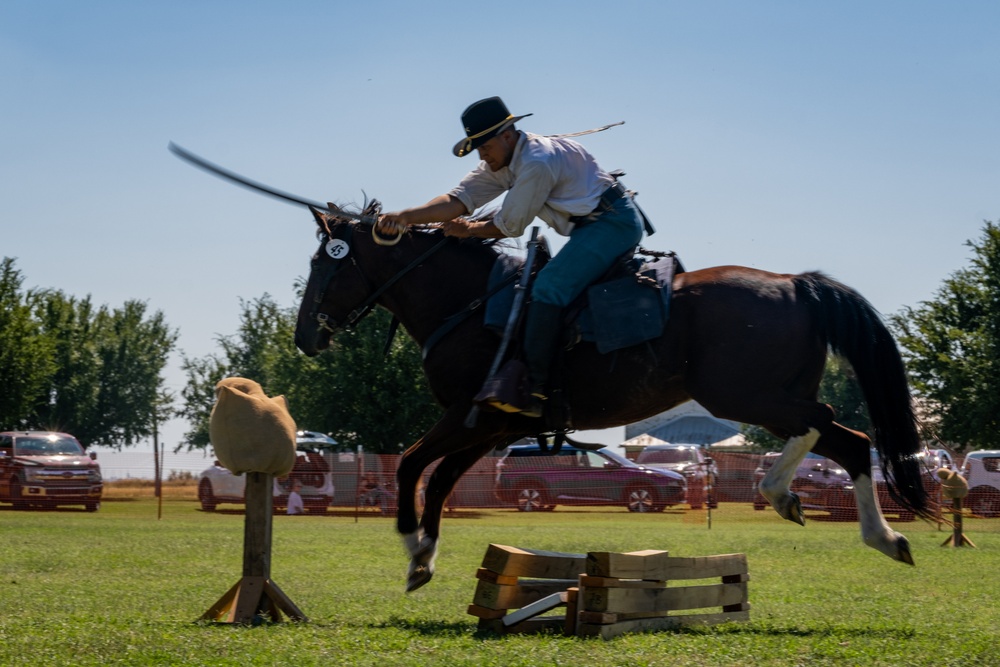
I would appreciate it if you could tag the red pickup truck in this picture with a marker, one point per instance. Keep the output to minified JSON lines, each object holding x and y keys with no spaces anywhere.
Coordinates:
{"x":47,"y":469}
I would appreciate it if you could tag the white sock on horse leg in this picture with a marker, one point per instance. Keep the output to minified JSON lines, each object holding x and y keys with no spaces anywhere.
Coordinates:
{"x":777,"y":482}
{"x":875,"y":530}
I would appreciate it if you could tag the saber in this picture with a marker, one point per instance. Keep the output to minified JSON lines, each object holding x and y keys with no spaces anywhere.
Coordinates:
{"x":251,"y":184}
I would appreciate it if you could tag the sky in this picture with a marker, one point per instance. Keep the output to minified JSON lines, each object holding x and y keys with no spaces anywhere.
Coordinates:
{"x":856,"y":138}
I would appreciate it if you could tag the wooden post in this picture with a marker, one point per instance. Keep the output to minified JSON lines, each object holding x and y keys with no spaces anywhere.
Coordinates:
{"x":957,"y":538}
{"x":255,"y":599}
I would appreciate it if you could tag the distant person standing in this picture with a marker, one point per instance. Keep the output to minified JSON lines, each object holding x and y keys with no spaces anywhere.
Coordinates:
{"x":295,"y":505}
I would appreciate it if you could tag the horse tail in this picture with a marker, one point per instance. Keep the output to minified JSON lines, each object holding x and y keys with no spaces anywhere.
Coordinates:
{"x":853,"y":329}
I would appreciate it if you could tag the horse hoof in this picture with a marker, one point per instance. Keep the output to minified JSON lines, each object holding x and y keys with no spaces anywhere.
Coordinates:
{"x":418,"y":577}
{"x":790,"y":508}
{"x":903,"y":554}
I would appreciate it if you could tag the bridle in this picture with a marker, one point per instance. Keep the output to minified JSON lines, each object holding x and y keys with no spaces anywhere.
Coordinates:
{"x":330,"y":270}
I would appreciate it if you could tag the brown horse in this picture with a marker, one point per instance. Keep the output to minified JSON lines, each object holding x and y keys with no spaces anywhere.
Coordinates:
{"x":749,"y":345}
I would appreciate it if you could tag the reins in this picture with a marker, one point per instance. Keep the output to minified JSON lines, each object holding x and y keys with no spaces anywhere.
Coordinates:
{"x":366,"y":306}
{"x":453,"y":321}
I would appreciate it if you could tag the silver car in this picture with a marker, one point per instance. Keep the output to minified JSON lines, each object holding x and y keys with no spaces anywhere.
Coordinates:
{"x":312,"y":467}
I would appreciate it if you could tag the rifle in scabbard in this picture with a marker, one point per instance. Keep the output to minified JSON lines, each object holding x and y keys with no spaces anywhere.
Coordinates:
{"x":520,"y":295}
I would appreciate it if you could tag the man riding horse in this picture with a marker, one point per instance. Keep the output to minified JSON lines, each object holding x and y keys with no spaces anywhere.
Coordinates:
{"x":552,"y":178}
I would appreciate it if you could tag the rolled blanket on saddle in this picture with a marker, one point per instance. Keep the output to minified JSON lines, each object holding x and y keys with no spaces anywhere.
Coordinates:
{"x":250,"y":431}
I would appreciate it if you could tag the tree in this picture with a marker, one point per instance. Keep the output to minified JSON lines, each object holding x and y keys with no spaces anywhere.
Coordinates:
{"x":352,"y":391}
{"x":952,"y":348}
{"x":25,"y":356}
{"x":106,"y":386}
{"x":68,"y":366}
{"x":379,"y":401}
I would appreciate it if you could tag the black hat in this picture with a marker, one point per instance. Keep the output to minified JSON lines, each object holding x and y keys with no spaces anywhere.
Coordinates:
{"x":484,"y":120}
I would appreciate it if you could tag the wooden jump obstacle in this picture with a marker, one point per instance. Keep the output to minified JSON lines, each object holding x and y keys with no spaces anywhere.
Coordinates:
{"x":255,"y":598}
{"x":606,"y":594}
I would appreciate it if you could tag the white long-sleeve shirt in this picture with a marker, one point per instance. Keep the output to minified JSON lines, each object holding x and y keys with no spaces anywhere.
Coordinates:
{"x":295,"y":505}
{"x":551,"y":178}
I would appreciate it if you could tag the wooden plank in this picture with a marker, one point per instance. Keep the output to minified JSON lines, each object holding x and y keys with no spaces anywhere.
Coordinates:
{"x":611,"y":582}
{"x":536,"y":625}
{"x":485,"y":613}
{"x":704,"y":567}
{"x":503,"y":596}
{"x":248,"y":599}
{"x":488,"y":575}
{"x":283,"y":603}
{"x":535,"y":608}
{"x":660,"y":623}
{"x":493,"y":625}
{"x":633,"y":565}
{"x":608,"y":617}
{"x":657,"y":565}
{"x":222,"y":610}
{"x":512,"y":561}
{"x":530,"y":626}
{"x":572,"y":609}
{"x":662,"y":599}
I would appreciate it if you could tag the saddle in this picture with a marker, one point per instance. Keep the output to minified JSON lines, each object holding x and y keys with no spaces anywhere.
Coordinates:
{"x":627,"y":306}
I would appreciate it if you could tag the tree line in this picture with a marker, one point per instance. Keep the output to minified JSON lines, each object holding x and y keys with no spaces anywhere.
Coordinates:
{"x":68,"y":365}
{"x":96,"y":372}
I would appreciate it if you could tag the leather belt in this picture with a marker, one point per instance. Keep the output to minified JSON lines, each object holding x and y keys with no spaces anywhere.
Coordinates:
{"x":608,"y":198}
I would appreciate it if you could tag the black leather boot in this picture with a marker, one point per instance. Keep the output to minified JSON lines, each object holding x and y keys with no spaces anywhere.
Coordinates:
{"x":541,"y":332}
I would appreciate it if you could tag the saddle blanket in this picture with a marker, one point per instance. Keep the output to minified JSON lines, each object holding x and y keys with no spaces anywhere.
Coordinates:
{"x":613,"y":314}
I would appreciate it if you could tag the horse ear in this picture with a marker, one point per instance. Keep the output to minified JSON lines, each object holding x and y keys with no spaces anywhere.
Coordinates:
{"x":321,"y":219}
{"x":318,"y":215}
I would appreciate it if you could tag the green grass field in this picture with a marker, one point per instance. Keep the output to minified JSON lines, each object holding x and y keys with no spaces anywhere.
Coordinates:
{"x":119,"y":587}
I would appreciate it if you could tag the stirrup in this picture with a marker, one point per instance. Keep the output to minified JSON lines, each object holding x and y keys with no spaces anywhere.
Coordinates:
{"x":535,"y":404}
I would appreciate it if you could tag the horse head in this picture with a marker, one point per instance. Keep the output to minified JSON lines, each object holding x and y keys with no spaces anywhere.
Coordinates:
{"x":337,"y":289}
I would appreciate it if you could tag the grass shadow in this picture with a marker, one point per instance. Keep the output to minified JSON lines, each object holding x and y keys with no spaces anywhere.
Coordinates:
{"x":426,"y":627}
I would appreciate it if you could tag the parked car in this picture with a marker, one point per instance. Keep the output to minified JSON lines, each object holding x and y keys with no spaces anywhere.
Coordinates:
{"x":820,"y":483}
{"x":929,"y":463}
{"x":48,"y":469}
{"x":941,"y":458}
{"x":982,"y":470}
{"x":699,"y":470}
{"x":217,"y":485}
{"x":534,"y":480}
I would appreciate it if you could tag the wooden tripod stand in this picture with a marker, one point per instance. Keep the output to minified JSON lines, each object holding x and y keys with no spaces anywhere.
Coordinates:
{"x":957,"y":538}
{"x":254,"y":599}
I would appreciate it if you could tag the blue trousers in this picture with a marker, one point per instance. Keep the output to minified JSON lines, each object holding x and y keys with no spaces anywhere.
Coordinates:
{"x":589,"y":253}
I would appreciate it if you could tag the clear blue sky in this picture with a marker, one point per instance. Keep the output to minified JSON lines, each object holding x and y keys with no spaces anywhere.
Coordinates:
{"x":857,"y":138}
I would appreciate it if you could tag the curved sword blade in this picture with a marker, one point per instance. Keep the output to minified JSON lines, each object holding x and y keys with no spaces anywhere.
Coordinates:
{"x":233,"y":177}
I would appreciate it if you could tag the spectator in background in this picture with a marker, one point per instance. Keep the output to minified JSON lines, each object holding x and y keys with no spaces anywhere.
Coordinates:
{"x":374,"y":493}
{"x":295,"y":505}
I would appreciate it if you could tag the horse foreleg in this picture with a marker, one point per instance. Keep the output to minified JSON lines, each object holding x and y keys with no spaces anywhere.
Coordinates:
{"x":411,"y":467}
{"x":447,"y":438}
{"x":776,"y":485}
{"x":424,"y":549}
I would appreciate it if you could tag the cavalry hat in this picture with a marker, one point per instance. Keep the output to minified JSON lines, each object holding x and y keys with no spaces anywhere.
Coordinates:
{"x":484,"y":120}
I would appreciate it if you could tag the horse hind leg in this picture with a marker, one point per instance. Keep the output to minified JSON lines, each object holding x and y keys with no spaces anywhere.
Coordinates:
{"x":851,"y":450}
{"x":776,"y":485}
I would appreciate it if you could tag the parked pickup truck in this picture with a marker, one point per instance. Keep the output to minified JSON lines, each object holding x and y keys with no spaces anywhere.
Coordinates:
{"x":47,"y":469}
